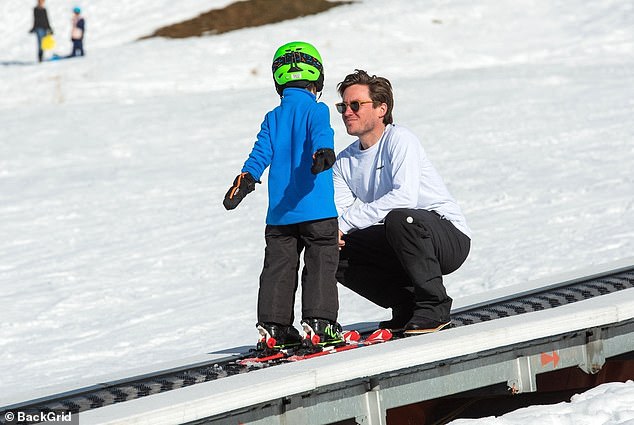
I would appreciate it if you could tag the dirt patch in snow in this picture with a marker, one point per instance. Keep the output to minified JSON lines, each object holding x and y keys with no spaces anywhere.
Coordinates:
{"x":244,"y":14}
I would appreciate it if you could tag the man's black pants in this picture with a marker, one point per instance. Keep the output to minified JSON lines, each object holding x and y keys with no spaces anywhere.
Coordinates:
{"x":401,"y":263}
{"x":279,"y":280}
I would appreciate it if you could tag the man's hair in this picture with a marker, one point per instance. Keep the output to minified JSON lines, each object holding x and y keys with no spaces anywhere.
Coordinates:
{"x":379,"y":87}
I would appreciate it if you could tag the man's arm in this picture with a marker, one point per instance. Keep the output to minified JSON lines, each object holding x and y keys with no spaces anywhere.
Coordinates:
{"x":344,"y":197}
{"x":402,"y":170}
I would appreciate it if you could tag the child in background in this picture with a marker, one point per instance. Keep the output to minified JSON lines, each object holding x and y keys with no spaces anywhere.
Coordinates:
{"x":296,"y":141}
{"x":77,"y":33}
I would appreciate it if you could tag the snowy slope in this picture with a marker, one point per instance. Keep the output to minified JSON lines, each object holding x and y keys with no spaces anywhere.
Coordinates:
{"x":115,"y":249}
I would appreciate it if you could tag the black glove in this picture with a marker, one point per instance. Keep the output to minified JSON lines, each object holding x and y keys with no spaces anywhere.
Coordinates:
{"x":323,"y":160}
{"x":242,"y":185}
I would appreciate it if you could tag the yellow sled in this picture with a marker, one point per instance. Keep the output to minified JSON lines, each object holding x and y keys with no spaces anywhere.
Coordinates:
{"x":48,"y":42}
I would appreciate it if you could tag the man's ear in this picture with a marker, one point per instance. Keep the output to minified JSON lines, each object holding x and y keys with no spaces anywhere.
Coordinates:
{"x":383,"y":110}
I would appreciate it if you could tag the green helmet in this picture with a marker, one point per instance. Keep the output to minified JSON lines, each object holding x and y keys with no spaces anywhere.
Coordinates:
{"x":297,"y":64}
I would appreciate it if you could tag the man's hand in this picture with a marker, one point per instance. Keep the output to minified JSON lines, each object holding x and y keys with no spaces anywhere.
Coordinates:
{"x":323,"y":159}
{"x":242,"y":185}
{"x":340,"y":241}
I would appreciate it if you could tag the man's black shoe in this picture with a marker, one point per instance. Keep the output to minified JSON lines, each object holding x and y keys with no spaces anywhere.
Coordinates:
{"x":401,"y":316}
{"x":418,"y":326}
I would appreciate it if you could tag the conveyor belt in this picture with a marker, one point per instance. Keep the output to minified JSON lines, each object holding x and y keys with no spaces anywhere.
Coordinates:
{"x":547,"y":298}
{"x":106,"y":394}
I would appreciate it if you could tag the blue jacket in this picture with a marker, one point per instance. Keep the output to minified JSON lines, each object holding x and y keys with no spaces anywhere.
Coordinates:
{"x":289,"y":136}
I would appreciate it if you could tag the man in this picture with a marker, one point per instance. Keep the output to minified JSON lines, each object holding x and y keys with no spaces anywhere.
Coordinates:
{"x":400,"y":229}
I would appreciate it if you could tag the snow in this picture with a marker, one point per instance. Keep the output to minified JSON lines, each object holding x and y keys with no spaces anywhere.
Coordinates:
{"x":606,"y":404}
{"x":115,"y":249}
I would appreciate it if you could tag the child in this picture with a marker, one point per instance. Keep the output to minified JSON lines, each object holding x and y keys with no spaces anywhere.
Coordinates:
{"x":296,"y":141}
{"x":77,"y":33}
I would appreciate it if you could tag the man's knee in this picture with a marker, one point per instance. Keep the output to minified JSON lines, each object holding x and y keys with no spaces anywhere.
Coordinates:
{"x":404,"y":220}
{"x":397,"y":218}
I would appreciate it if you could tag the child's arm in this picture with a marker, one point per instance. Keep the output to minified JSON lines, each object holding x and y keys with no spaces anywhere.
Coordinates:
{"x":262,"y":153}
{"x":258,"y":160}
{"x":323,"y":138}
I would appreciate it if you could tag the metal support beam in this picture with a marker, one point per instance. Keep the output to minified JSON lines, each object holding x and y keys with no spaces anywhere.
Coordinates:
{"x":593,"y":355}
{"x":375,"y":412}
{"x":523,"y":377}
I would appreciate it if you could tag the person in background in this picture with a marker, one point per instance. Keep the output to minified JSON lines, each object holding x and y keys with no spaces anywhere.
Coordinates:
{"x":400,"y":229}
{"x":77,"y":33}
{"x":296,"y":143}
{"x":41,"y":26}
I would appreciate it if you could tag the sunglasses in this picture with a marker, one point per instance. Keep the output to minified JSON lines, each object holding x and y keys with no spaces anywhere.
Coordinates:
{"x":354,"y":105}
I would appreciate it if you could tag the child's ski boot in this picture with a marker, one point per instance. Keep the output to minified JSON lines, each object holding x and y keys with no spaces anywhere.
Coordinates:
{"x":275,"y":337}
{"x":320,"y":333}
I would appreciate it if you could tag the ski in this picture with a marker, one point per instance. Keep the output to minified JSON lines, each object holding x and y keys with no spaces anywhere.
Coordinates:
{"x":262,"y":359}
{"x":350,"y":337}
{"x":350,"y":340}
{"x":330,"y":349}
{"x":378,"y":336}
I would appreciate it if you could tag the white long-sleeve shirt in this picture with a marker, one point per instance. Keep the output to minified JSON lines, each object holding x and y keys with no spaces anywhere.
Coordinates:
{"x":393,"y":173}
